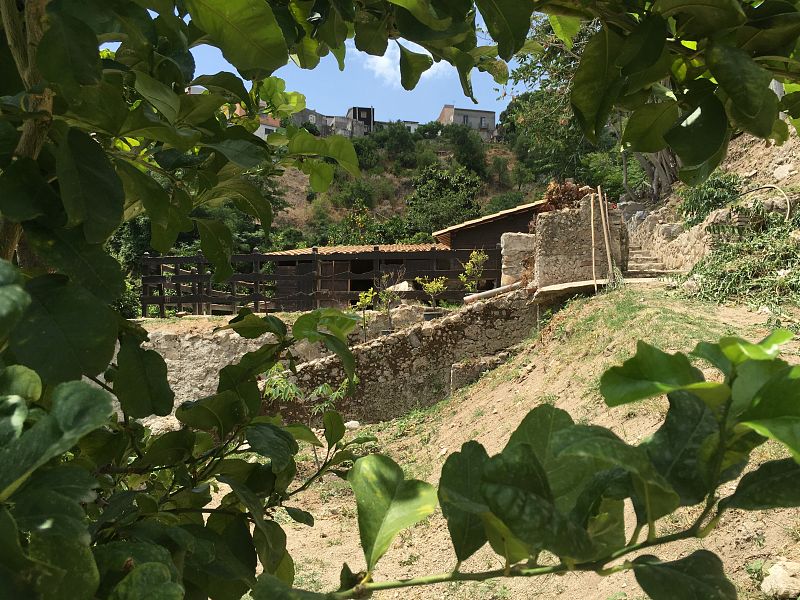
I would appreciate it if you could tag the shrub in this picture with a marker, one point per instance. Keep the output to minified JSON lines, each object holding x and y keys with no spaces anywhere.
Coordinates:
{"x":442,"y":198}
{"x":719,"y":190}
{"x":367,"y":152}
{"x":431,"y":130}
{"x":503,"y":201}
{"x":605,"y":169}
{"x":424,"y":155}
{"x":468,"y":148}
{"x":500,"y":171}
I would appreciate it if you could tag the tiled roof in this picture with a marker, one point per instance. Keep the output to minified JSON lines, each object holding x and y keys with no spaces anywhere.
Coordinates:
{"x":324,"y":250}
{"x":489,"y":218}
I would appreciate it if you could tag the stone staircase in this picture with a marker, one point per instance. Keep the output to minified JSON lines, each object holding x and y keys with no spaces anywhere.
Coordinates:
{"x":643,"y":264}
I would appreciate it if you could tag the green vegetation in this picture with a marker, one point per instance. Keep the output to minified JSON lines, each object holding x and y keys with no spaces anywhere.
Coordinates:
{"x":718,"y":191}
{"x":94,"y":505}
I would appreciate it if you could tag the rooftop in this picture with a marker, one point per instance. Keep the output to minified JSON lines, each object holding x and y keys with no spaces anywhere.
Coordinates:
{"x":489,"y":218}
{"x":325,"y":250}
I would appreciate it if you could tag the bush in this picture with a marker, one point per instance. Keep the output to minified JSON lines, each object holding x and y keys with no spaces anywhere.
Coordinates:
{"x":468,"y":148}
{"x":716,"y":192}
{"x":425,"y":156}
{"x":503,"y":202}
{"x":605,"y":169}
{"x":367,"y":152}
{"x":431,"y":130}
{"x":442,"y":198}
{"x":395,"y":138}
{"x":500,"y":171}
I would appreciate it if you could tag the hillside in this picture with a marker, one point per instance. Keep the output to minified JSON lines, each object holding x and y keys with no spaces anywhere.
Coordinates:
{"x":562,"y":368}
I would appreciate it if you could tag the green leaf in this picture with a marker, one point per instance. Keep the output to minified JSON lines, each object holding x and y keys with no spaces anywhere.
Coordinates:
{"x":307,"y":326}
{"x":250,"y":326}
{"x":371,"y":37}
{"x":247,"y":199}
{"x":565,"y":28}
{"x":334,"y":427}
{"x":653,"y":492}
{"x":699,"y":19}
{"x":163,"y":99}
{"x":647,"y":125}
{"x":140,"y":381}
{"x":170,"y":448}
{"x":14,"y":300}
{"x":241,"y":147}
{"x":51,"y":502}
{"x":114,"y":560}
{"x":738,"y":350}
{"x":246,"y":32}
{"x":516,"y":489}
{"x":148,"y":580}
{"x":67,"y":54}
{"x":270,"y":587}
{"x":412,"y":66}
{"x":744,"y":81}
{"x":17,"y":380}
{"x":222,"y":412}
{"x":302,"y":433}
{"x":88,"y":265}
{"x":597,"y":82}
{"x":650,"y":372}
{"x":90,"y":189}
{"x":226,"y":83}
{"x":508,"y":22}
{"x":301,"y":516}
{"x":461,"y":477}
{"x":24,"y":193}
{"x":503,"y":542}
{"x":216,"y":242}
{"x":713,"y":354}
{"x":387,"y":503}
{"x":424,"y":13}
{"x":566,"y":475}
{"x":751,"y":375}
{"x":701,"y":133}
{"x":65,"y":333}
{"x":72,"y":571}
{"x":774,"y":484}
{"x":675,"y":449}
{"x":196,"y":109}
{"x":77,"y":409}
{"x":270,"y":441}
{"x":336,"y":147}
{"x":699,"y":575}
{"x":644,"y":47}
{"x":320,"y":174}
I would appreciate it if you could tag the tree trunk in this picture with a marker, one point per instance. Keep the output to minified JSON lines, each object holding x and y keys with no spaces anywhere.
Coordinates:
{"x":23,"y":32}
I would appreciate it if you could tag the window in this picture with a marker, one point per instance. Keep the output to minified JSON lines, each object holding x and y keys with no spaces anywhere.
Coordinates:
{"x":465,"y":119}
{"x":483,"y":122}
{"x":312,"y":119}
{"x":364,"y":114}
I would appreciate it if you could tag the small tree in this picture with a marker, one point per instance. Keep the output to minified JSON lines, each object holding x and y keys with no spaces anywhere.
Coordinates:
{"x":365,"y":300}
{"x":386,"y":285}
{"x":473,"y":270}
{"x":434,"y":287}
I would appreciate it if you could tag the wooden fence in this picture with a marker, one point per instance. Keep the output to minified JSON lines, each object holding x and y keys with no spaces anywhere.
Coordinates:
{"x":270,"y":282}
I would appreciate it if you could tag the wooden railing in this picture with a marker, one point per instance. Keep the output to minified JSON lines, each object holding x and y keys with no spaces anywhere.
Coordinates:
{"x":277,"y":282}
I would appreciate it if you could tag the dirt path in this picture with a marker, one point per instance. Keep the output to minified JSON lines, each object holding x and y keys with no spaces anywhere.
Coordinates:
{"x":562,"y":368}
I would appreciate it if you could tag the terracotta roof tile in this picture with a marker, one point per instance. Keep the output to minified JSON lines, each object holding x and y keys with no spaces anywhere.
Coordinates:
{"x":325,"y":250}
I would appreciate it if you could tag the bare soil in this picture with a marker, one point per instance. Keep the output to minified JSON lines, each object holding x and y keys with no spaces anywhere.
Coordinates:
{"x":562,"y":367}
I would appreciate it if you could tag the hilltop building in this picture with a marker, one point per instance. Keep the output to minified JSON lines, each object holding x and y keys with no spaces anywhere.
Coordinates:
{"x":482,"y":121}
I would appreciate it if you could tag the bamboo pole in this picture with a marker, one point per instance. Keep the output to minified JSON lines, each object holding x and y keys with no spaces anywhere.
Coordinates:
{"x":594,"y":266}
{"x":604,"y":219}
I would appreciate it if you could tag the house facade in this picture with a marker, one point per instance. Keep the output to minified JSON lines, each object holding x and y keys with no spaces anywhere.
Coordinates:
{"x":482,"y":121}
{"x":363,"y":114}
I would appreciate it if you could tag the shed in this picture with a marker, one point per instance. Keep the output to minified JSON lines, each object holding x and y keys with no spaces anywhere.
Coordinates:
{"x":485,"y":232}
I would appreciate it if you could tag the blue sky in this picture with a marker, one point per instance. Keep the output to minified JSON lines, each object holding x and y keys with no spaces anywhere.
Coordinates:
{"x":374,"y":81}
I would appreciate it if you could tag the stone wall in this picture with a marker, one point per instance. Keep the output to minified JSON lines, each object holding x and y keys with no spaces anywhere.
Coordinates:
{"x":195,"y":358}
{"x":412,"y":368}
{"x":517,"y":250}
{"x":563,"y":249}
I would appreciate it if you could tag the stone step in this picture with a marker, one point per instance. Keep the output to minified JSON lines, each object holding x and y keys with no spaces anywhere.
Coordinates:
{"x":647,"y":273}
{"x":641,"y":260}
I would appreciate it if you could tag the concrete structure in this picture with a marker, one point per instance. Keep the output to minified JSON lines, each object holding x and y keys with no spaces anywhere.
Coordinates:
{"x":363,"y":114}
{"x":346,"y":127}
{"x":317,"y":119}
{"x":482,"y":121}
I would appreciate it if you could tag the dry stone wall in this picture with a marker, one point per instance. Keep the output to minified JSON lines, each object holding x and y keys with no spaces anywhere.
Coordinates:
{"x":195,"y":358}
{"x":412,"y":368}
{"x":518,"y":251}
{"x":563,"y":249}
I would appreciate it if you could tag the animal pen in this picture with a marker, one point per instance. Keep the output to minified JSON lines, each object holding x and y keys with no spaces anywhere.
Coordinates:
{"x":302,"y":279}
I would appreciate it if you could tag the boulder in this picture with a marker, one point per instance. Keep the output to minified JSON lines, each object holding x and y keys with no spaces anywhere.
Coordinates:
{"x":782,"y":580}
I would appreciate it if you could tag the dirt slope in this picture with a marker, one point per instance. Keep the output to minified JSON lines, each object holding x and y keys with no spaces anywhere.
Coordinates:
{"x":561,"y":367}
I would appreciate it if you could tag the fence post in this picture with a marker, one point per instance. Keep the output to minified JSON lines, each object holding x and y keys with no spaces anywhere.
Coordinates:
{"x":316,"y":274}
{"x":256,"y":280}
{"x":145,"y":267}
